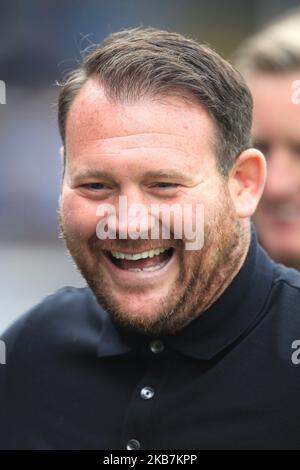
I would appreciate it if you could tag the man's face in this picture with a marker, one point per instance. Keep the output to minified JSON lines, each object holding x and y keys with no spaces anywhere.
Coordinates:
{"x":151,"y":152}
{"x":276,"y":133}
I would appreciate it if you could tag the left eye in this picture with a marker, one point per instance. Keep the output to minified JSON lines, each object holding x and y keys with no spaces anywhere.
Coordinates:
{"x":166,"y":185}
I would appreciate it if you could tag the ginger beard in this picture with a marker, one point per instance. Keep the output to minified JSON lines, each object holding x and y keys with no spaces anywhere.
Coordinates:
{"x":203,"y":274}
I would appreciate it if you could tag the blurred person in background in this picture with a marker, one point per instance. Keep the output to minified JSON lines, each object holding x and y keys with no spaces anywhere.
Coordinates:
{"x":270,"y":62}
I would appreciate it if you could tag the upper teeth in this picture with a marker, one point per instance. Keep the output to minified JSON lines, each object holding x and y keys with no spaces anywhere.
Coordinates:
{"x":135,"y":256}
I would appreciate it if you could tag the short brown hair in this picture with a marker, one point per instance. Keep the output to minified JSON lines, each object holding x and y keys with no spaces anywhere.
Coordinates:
{"x":140,"y":62}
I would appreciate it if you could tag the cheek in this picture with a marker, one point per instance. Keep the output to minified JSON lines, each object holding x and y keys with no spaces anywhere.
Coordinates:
{"x":79,"y":215}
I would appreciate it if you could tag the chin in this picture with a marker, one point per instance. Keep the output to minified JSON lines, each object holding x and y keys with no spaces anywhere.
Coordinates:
{"x":140,"y":306}
{"x":145,"y":321}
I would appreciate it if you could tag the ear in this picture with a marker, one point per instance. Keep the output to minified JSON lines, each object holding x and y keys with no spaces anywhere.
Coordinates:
{"x":246,"y":181}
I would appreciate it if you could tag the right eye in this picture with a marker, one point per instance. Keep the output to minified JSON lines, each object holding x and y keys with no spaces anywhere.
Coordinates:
{"x":295,"y":149}
{"x":93,"y":186}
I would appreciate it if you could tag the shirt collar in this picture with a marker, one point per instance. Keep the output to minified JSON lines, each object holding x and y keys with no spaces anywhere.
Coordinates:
{"x":233,"y":314}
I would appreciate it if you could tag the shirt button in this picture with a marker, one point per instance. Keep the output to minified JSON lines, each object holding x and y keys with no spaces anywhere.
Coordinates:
{"x":147,"y":393}
{"x":157,"y":346}
{"x":133,"y":444}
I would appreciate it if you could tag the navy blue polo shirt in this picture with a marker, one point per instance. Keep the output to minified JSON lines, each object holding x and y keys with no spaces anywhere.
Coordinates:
{"x":228,"y":380}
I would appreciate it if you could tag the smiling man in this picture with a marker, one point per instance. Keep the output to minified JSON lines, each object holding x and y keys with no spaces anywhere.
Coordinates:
{"x":167,"y":347}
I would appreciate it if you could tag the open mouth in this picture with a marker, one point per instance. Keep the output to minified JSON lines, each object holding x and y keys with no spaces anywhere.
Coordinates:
{"x":146,"y":261}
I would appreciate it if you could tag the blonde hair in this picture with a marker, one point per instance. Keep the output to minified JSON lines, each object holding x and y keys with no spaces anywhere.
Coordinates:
{"x":275,"y":48}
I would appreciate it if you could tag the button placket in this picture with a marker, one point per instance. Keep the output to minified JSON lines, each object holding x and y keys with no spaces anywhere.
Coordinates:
{"x":139,"y":417}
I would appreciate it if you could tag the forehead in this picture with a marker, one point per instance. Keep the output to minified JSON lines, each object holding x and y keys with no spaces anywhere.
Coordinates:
{"x":274,"y":110}
{"x":168,"y":123}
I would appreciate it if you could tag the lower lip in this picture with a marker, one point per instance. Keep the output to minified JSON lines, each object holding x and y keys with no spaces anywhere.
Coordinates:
{"x":137,"y":277}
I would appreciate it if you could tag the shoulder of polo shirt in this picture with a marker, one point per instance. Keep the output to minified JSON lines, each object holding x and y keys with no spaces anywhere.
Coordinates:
{"x":63,"y":317}
{"x":287,"y":275}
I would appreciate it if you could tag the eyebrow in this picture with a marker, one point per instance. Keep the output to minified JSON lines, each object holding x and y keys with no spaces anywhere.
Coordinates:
{"x":294,"y":143}
{"x":91,"y":173}
{"x":151,"y":174}
{"x":290,"y":141}
{"x":169,"y":174}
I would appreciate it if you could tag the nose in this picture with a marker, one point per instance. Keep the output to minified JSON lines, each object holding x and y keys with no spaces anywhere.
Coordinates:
{"x":134,"y":219}
{"x":282,"y":176}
